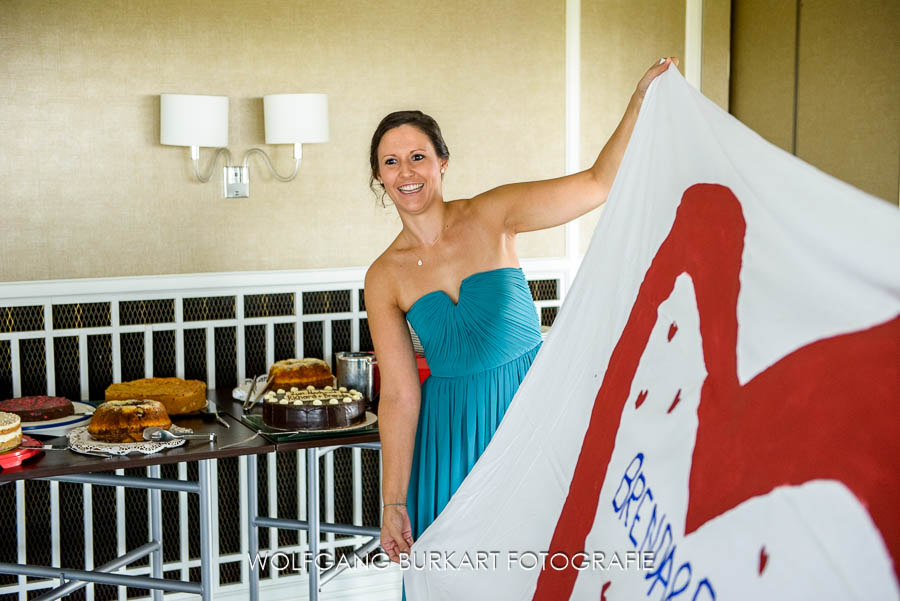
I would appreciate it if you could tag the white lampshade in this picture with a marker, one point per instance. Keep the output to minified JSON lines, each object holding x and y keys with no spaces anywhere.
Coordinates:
{"x":192,"y":120}
{"x":296,"y":118}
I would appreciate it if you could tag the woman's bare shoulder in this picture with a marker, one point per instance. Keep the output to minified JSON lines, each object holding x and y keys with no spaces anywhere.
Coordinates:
{"x":381,"y":276}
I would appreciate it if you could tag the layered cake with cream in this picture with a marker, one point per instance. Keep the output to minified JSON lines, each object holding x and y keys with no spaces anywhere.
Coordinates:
{"x":10,"y":431}
{"x":124,"y":421}
{"x":313,"y":408}
{"x":38,"y":408}
{"x":177,"y":395}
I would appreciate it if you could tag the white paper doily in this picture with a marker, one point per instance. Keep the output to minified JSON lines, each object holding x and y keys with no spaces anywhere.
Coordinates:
{"x":82,"y":442}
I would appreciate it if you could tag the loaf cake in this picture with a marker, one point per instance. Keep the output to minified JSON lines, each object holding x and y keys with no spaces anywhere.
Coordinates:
{"x":124,"y":421}
{"x":177,"y":395}
{"x":313,"y":408}
{"x":300,"y":373}
{"x":38,"y":408}
{"x":10,"y":431}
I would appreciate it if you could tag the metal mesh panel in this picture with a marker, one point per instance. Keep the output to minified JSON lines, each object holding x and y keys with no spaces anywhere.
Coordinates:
{"x":365,"y":336}
{"x":262,"y":499}
{"x":327,"y":301}
{"x":544,"y":289}
{"x":226,"y":357}
{"x":21,"y":319}
{"x":68,"y":374}
{"x":254,"y":350}
{"x":268,"y":305}
{"x":81,"y":315}
{"x":146,"y":312}
{"x":8,"y":530}
{"x":195,"y":354}
{"x":6,"y":387}
{"x":71,"y":525}
{"x":136,"y":528}
{"x":131,"y":352}
{"x":286,"y":468}
{"x":340,"y":338}
{"x":104,"y":516}
{"x":312,"y":340}
{"x":371,"y":488}
{"x":229,"y":483}
{"x":193,"y":503}
{"x":164,"y":354}
{"x":32,"y":366}
{"x":37,"y":516}
{"x":285,"y":341}
{"x":343,"y":486}
{"x":362,"y":299}
{"x":230,"y":573}
{"x":548,"y":315}
{"x":207,"y":308}
{"x":100,"y":374}
{"x":170,"y":524}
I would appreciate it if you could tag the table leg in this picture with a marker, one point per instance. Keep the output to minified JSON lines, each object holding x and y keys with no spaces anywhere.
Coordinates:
{"x":312,"y":514}
{"x":206,"y":560}
{"x":156,"y":558}
{"x":253,"y":530}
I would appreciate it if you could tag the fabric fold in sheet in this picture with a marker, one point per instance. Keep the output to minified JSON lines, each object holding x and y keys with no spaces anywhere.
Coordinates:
{"x":714,"y":412}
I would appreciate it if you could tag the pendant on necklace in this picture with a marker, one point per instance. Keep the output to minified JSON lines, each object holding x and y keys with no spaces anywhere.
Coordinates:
{"x":419,"y":263}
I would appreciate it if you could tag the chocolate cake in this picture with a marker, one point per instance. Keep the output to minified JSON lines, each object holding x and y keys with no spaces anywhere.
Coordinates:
{"x":38,"y":408}
{"x":10,"y":431}
{"x":313,"y":408}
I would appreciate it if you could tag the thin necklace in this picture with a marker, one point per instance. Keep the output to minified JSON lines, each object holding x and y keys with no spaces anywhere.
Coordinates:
{"x":433,"y":242}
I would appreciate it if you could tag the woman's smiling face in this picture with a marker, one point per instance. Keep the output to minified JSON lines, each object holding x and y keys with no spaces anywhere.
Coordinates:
{"x":409,"y":168}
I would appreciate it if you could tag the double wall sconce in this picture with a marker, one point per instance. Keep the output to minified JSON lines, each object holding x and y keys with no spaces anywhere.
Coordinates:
{"x":195,"y":121}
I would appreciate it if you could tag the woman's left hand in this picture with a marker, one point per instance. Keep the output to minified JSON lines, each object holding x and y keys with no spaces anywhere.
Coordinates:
{"x":652,"y":73}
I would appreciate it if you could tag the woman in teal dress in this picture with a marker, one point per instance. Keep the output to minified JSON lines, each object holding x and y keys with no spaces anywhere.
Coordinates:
{"x":453,"y":273}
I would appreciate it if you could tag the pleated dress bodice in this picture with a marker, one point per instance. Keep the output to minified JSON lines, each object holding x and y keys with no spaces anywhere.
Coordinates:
{"x":493,"y":322}
{"x":478,"y":350}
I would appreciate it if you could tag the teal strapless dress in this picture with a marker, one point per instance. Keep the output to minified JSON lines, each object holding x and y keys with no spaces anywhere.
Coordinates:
{"x":478,"y":352}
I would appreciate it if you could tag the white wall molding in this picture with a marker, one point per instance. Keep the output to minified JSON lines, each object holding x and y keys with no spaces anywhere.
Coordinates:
{"x":693,"y":42}
{"x":573,"y":125}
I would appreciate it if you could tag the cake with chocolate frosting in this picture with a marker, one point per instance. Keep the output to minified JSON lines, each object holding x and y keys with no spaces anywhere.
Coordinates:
{"x":10,"y":431}
{"x":38,"y":408}
{"x":313,"y":408}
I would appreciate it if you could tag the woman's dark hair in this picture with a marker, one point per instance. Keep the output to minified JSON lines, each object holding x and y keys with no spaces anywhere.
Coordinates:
{"x":417,"y":119}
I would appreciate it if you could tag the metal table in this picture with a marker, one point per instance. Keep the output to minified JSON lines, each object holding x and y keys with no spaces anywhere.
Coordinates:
{"x":67,"y":466}
{"x":315,"y":448}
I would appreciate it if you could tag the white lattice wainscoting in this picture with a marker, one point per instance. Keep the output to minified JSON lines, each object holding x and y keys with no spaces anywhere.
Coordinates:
{"x":75,"y":337}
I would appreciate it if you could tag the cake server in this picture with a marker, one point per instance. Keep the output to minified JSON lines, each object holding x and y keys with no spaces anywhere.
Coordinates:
{"x":62,"y":447}
{"x":52,"y":447}
{"x":160,"y":435}
{"x":249,"y":401}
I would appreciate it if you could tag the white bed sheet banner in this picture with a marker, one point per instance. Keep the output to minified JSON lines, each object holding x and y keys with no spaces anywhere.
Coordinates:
{"x":720,"y":389}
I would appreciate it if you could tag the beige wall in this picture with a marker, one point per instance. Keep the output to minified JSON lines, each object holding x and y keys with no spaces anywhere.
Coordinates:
{"x":620,"y":39}
{"x":846,"y":60}
{"x":90,"y":192}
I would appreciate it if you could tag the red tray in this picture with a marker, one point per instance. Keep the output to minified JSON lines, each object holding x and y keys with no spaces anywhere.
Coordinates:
{"x":15,"y":457}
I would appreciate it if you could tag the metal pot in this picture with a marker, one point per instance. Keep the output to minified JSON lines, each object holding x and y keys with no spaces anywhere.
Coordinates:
{"x":357,"y":370}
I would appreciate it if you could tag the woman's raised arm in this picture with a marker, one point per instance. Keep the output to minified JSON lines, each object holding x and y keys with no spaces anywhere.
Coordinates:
{"x":529,"y":206}
{"x":398,"y":407}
